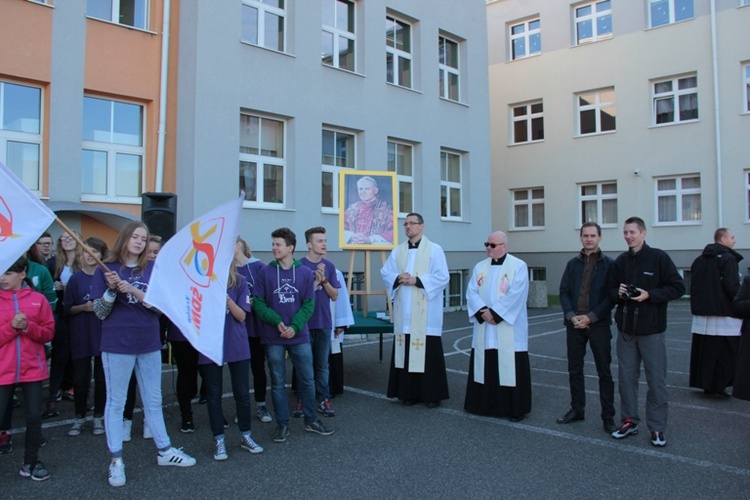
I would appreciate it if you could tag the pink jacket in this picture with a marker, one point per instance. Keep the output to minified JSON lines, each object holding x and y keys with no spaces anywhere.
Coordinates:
{"x":22,"y":357}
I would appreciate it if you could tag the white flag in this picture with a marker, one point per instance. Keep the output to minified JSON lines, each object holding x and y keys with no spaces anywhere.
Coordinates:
{"x":189,"y":281}
{"x":23,"y":218}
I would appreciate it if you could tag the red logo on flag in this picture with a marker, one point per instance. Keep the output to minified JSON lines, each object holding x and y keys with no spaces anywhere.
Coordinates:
{"x":6,"y":221}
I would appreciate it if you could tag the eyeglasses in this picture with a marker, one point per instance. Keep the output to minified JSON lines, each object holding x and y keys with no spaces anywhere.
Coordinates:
{"x":44,"y":243}
{"x":410,"y":223}
{"x":492,"y":245}
{"x":66,"y":238}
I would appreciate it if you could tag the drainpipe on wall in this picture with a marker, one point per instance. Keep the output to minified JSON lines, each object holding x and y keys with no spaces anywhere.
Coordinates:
{"x":159,"y":187}
{"x":717,"y":121}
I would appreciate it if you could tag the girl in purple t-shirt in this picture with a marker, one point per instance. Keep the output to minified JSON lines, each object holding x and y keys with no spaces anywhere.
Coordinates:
{"x":130,"y":340}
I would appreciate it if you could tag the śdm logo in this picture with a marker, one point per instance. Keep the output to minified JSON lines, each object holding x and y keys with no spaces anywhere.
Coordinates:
{"x":6,"y":222}
{"x":198,"y":261}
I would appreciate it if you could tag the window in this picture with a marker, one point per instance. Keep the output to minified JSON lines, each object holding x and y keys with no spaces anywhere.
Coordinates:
{"x":678,"y":199}
{"x":679,"y":92}
{"x":528,"y":208}
{"x":263,"y":23}
{"x":454,"y":295}
{"x":528,"y":123}
{"x":747,"y":190}
{"x":746,"y":75}
{"x":598,"y":203}
{"x":113,"y":151}
{"x":596,"y":112}
{"x":449,"y":74}
{"x":401,"y":161}
{"x":337,"y":153}
{"x":127,"y":12}
{"x":450,"y":185}
{"x":21,"y":131}
{"x":398,"y":52}
{"x":262,"y":160}
{"x":663,"y":12}
{"x":593,"y":22}
{"x":537,"y":274}
{"x":338,"y":42}
{"x":525,"y":39}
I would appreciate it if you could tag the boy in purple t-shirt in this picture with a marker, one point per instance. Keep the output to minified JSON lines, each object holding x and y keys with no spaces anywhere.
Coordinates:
{"x":283,"y":299}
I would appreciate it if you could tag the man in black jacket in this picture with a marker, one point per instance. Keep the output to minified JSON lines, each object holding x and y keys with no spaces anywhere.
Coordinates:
{"x":642,"y":282}
{"x":587,"y":308}
{"x":716,"y":335}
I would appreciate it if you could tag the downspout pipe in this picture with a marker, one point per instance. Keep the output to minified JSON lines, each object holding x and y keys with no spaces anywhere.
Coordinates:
{"x":717,"y":121}
{"x":162,"y":133}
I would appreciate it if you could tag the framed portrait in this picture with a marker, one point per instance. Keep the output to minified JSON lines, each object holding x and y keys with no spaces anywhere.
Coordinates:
{"x":367,"y":220}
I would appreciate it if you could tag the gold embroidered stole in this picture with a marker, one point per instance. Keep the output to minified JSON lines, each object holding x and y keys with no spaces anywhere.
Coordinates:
{"x":418,"y":305}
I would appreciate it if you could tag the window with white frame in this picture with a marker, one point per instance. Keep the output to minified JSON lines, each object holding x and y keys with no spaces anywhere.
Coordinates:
{"x":528,"y":122}
{"x":449,"y":69}
{"x":525,"y":39}
{"x":593,"y":21}
{"x":528,"y":208}
{"x":678,"y":199}
{"x":450,"y":185}
{"x":21,"y":132}
{"x":746,"y":78}
{"x":598,"y":203}
{"x":337,"y":153}
{"x":747,"y":199}
{"x":263,"y":23}
{"x":596,"y":111}
{"x":398,"y":52}
{"x":675,"y":100}
{"x":339,"y":41}
{"x":662,"y":12}
{"x":401,"y":161}
{"x":113,"y":151}
{"x":454,"y":295}
{"x":262,"y":160}
{"x":126,"y":12}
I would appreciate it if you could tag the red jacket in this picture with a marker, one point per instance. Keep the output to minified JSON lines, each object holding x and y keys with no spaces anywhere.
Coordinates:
{"x":22,"y":357}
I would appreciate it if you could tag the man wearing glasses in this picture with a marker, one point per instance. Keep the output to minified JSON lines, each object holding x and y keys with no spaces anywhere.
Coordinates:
{"x":499,"y":382}
{"x":415,"y":275}
{"x":46,"y":248}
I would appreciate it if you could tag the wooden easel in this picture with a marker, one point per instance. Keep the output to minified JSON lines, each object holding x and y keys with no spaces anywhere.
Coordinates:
{"x":368,"y":289}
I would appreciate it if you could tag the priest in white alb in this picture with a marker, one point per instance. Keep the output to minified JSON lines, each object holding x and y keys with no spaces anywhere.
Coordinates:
{"x":415,"y":275}
{"x":499,"y":382}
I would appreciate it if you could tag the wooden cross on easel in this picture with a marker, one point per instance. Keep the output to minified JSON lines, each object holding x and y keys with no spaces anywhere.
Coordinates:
{"x":368,"y":289}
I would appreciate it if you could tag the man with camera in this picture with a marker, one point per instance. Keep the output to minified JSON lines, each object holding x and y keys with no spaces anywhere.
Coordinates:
{"x":642,"y":282}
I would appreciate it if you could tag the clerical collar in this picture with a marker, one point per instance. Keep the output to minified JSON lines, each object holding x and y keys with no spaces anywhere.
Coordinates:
{"x":414,"y":245}
{"x":499,"y":262}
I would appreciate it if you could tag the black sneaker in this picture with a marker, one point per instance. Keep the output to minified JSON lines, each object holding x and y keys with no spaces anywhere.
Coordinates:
{"x":187,"y":426}
{"x":318,"y":428}
{"x":282,"y":432}
{"x":626,"y":429}
{"x":6,"y":442}
{"x":36,"y":471}
{"x":50,"y":413}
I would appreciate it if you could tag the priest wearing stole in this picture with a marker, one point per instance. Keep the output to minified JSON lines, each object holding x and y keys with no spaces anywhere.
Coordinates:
{"x":499,"y":382}
{"x":415,"y":275}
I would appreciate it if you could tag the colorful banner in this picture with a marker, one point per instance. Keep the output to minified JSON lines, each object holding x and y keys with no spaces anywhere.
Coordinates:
{"x":189,"y":281}
{"x":23,"y":218}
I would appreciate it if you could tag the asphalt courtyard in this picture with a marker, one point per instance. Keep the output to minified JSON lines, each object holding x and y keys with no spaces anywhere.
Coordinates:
{"x":382,"y":449}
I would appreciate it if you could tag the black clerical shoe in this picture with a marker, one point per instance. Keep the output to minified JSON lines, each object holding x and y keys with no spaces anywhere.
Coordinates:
{"x":609,"y":426}
{"x":517,"y":419}
{"x":723,"y":394}
{"x":571,"y":416}
{"x":432,"y":404}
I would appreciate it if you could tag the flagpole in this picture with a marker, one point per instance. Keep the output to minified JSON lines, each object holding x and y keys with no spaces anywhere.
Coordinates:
{"x":83,"y":245}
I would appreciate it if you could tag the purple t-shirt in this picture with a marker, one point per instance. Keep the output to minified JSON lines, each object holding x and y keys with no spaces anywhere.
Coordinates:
{"x":236,"y":346}
{"x":130,"y":328}
{"x":284,"y":290}
{"x":321,"y":318}
{"x":250,"y":270}
{"x":85,"y":327}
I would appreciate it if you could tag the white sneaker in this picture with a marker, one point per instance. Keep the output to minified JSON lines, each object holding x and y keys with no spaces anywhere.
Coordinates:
{"x":75,"y":430}
{"x":146,"y":431}
{"x":117,"y":473}
{"x":175,"y":456}
{"x":221,"y":450}
{"x":247,"y":443}
{"x":127,"y":427}
{"x":98,"y":426}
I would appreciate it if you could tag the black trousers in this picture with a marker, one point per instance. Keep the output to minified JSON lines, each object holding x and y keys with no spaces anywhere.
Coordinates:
{"x":600,"y":340}
{"x":61,"y":369}
{"x":186,"y":358}
{"x":82,"y":371}
{"x":258,"y":367}
{"x":32,"y":398}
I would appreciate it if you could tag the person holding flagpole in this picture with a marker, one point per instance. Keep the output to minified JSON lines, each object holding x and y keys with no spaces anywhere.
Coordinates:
{"x":130,"y":340}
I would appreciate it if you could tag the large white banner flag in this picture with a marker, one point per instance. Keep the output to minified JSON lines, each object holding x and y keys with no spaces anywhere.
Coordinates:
{"x":23,"y":218}
{"x":189,"y":281}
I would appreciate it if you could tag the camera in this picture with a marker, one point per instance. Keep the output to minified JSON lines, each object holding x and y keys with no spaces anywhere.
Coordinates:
{"x":631,"y":292}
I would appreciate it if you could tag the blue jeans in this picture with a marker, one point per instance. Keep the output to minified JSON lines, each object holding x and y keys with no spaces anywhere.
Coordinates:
{"x":213,"y":374}
{"x":320,"y":342}
{"x":301,"y":356}
{"x":117,"y":371}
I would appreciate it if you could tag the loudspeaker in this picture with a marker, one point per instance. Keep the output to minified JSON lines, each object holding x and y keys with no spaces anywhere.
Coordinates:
{"x":159,"y":213}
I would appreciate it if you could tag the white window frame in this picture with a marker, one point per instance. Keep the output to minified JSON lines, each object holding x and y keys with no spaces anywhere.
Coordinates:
{"x":678,"y":193}
{"x":601,"y":103}
{"x":593,"y":18}
{"x":401,"y":178}
{"x":115,"y":7}
{"x":337,"y":33}
{"x":112,"y":150}
{"x":746,"y":85}
{"x":399,"y":54}
{"x":448,"y":185}
{"x":674,"y":96}
{"x":529,"y":202}
{"x":599,"y":197}
{"x":335,"y":169}
{"x":263,"y":9}
{"x":529,"y":118}
{"x":672,"y":12}
{"x":36,"y":139}
{"x":446,"y":70}
{"x":261,"y":161}
{"x":527,"y":33}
